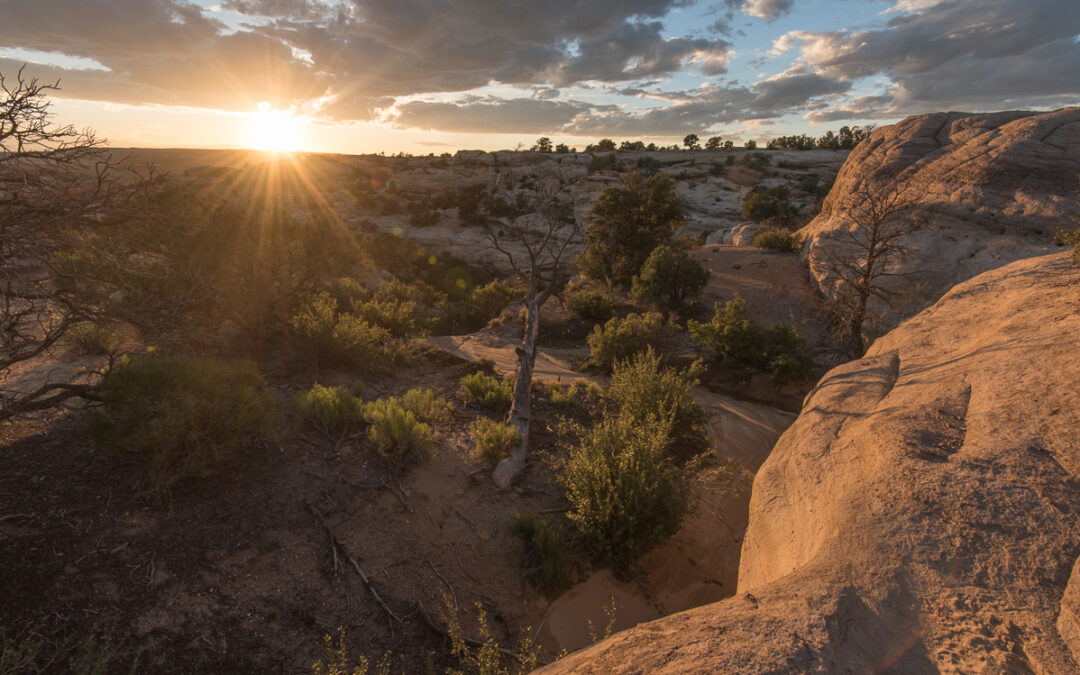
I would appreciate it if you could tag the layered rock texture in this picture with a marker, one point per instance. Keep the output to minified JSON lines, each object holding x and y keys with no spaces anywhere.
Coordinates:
{"x":990,"y":188}
{"x":923,"y":512}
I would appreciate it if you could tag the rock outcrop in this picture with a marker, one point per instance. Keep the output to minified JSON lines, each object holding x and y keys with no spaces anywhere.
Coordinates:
{"x":992,"y":188}
{"x":923,"y":512}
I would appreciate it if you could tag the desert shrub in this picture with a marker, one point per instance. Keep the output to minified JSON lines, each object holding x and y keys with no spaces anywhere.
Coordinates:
{"x":1068,"y":238}
{"x":398,"y":435}
{"x":670,"y":279}
{"x":486,"y":391}
{"x":188,"y":416}
{"x":562,"y":395}
{"x":547,"y":565}
{"x":427,"y":405}
{"x":492,"y":440}
{"x":593,"y":306}
{"x":329,"y":408}
{"x":641,"y":388}
{"x":785,"y":354}
{"x":769,"y":205}
{"x":625,"y":493}
{"x":777,"y":239}
{"x":731,"y":336}
{"x":491,"y":298}
{"x":339,"y":338}
{"x":398,"y":317}
{"x":622,"y":338}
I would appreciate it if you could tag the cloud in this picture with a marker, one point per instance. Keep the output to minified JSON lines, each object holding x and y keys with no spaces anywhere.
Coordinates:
{"x":521,"y":115}
{"x":768,"y":9}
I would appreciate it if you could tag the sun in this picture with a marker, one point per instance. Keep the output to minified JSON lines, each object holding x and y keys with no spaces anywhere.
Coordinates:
{"x":274,"y":130}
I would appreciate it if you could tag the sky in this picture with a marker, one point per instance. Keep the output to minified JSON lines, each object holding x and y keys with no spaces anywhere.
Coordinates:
{"x":434,"y":76}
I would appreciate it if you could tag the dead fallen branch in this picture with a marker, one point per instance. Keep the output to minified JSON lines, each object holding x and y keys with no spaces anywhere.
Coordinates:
{"x":337,"y":547}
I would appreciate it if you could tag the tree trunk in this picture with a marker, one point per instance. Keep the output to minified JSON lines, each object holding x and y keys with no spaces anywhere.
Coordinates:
{"x":520,"y":410}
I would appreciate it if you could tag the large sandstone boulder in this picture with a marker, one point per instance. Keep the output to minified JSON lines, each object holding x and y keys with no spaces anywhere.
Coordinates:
{"x":923,"y":512}
{"x":992,"y":188}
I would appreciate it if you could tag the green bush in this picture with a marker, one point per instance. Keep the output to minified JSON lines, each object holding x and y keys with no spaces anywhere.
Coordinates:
{"x":487,"y":391}
{"x":335,"y":338}
{"x":398,"y":435}
{"x":785,"y":354}
{"x":189,"y":416}
{"x":626,"y":223}
{"x":622,"y":338}
{"x":492,"y":440}
{"x":642,"y":389}
{"x":427,"y":405}
{"x":670,"y":279}
{"x":593,"y":306}
{"x":398,"y":317}
{"x":777,"y":239}
{"x":625,"y":493}
{"x":769,"y":205}
{"x":547,"y":565}
{"x":732,"y":338}
{"x":562,"y":395}
{"x":329,"y":408}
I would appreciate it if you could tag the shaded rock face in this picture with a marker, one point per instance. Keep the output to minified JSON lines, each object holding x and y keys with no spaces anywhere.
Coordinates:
{"x":923,"y":512}
{"x":992,"y":188}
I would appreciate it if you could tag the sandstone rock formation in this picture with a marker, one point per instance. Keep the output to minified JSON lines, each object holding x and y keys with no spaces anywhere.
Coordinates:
{"x":923,"y":512}
{"x":993,"y":188}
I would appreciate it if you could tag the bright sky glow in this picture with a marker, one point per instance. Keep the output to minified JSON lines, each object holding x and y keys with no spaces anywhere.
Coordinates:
{"x":440,"y":75}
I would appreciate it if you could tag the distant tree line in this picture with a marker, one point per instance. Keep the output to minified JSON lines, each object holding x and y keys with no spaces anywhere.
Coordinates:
{"x":845,"y":138}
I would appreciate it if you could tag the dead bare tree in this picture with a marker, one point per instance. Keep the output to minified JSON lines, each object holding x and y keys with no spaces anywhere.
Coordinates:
{"x":535,"y":245}
{"x":863,"y":258}
{"x":54,"y":181}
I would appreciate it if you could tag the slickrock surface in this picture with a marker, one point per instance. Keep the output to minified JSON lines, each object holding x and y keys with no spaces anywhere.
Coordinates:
{"x":923,"y":512}
{"x":993,"y":188}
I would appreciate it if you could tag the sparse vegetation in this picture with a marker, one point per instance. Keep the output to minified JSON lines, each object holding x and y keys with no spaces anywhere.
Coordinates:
{"x":643,"y":389}
{"x":626,"y":223}
{"x":546,"y":563}
{"x":593,"y":305}
{"x":670,"y":280}
{"x":486,"y":391}
{"x":492,"y":439}
{"x":625,"y":491}
{"x":427,"y":405}
{"x":187,"y":416}
{"x":398,"y":435}
{"x":329,"y":408}
{"x":777,"y":239}
{"x":621,"y":339}
{"x":732,"y":338}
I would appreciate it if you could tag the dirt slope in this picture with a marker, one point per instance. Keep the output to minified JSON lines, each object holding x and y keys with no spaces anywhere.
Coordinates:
{"x":923,"y":512}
